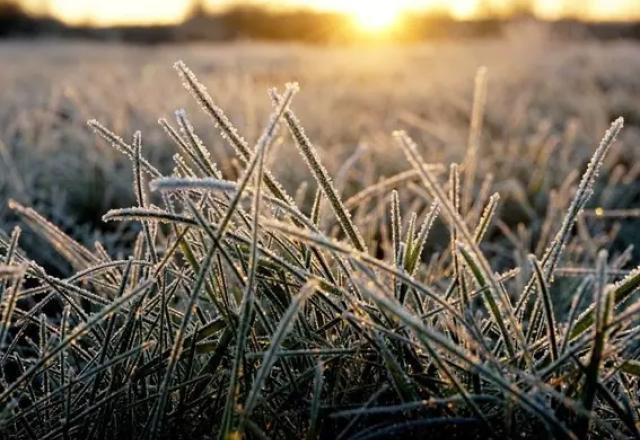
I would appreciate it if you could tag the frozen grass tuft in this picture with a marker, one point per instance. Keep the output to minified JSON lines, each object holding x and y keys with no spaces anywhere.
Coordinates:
{"x":238,"y":314}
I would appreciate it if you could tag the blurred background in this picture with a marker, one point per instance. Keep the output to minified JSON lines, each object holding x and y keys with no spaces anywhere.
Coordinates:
{"x":308,"y":20}
{"x":558,"y":73}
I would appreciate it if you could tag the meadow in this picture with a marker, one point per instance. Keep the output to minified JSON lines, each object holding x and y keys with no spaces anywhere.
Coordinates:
{"x":430,"y":239}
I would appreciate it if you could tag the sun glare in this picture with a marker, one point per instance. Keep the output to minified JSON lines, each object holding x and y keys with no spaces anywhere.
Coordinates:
{"x":369,"y":16}
{"x":375,"y":16}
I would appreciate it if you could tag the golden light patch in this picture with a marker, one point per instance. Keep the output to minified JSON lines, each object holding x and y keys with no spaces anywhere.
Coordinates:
{"x":375,"y":16}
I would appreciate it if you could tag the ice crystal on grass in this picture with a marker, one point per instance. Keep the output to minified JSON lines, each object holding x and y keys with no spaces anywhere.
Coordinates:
{"x":235,"y":315}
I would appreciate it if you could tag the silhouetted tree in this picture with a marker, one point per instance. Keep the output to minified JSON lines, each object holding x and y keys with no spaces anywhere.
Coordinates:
{"x":14,"y":19}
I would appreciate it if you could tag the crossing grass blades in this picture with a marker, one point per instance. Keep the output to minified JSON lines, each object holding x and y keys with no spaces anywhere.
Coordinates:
{"x":240,"y":313}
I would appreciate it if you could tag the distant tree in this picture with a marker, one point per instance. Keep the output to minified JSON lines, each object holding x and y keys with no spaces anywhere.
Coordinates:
{"x":197,"y":8}
{"x":14,"y":19}
{"x":8,"y":5}
{"x":486,"y":9}
{"x":495,"y":9}
{"x":10,"y":10}
{"x":523,"y":8}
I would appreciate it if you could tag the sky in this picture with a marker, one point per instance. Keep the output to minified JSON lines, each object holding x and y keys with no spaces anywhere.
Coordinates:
{"x":107,"y":12}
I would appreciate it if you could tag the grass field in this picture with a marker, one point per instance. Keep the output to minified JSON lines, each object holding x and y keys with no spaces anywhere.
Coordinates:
{"x":539,"y":91}
{"x":449,"y":247}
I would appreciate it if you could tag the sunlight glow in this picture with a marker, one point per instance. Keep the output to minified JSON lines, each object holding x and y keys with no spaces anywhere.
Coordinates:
{"x":372,"y":16}
{"x":129,"y":12}
{"x":375,"y":16}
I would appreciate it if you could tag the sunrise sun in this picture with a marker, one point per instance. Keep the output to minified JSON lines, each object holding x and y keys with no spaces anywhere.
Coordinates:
{"x":375,"y":16}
